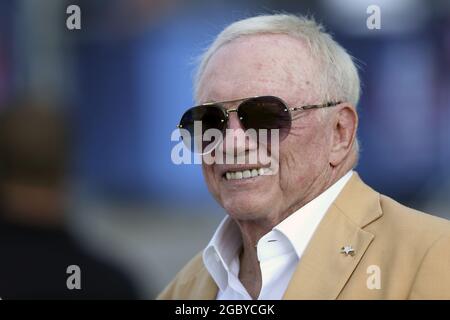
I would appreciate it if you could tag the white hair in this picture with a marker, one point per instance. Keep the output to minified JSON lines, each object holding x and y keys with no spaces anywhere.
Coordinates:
{"x":338,"y":76}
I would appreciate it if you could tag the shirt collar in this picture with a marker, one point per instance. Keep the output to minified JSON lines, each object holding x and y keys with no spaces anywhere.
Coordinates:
{"x":222,"y":249}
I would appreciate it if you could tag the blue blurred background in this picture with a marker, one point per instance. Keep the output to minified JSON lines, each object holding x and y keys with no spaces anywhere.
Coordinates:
{"x":125,"y":79}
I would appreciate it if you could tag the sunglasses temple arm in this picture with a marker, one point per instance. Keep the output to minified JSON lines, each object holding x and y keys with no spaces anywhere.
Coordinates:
{"x":316,"y":106}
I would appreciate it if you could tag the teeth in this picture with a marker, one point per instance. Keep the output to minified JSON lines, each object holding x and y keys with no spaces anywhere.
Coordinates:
{"x":237,"y":175}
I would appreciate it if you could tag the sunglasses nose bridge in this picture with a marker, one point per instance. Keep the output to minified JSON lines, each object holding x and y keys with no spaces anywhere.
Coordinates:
{"x":228,"y":111}
{"x":234,"y":122}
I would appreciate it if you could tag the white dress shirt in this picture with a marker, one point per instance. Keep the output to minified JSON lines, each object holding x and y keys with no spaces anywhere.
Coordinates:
{"x":279,"y":251}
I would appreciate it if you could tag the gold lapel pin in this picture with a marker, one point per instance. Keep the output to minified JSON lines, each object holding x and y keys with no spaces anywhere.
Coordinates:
{"x":348,"y":250}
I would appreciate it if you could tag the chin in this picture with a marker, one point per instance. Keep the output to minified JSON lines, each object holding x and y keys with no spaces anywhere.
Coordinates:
{"x":241,"y":208}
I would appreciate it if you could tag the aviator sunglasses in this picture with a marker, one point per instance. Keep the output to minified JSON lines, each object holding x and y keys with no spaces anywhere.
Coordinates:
{"x":260,"y":112}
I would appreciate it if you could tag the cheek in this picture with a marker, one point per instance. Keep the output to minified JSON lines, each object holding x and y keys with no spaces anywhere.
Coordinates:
{"x":301,"y":157}
{"x":292,"y":169}
{"x":212,"y":183}
{"x":210,"y":179}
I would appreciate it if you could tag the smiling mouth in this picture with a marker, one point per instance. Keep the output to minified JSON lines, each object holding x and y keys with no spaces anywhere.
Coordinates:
{"x":247,"y":174}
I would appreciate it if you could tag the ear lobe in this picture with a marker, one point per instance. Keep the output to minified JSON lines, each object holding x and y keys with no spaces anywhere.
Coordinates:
{"x":344,"y":133}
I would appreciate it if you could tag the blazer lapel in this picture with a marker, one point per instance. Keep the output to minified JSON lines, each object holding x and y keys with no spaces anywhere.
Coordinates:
{"x":323,"y":270}
{"x":204,"y":289}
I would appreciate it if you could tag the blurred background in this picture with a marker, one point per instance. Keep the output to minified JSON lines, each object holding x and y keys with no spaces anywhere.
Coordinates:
{"x":86,"y":117}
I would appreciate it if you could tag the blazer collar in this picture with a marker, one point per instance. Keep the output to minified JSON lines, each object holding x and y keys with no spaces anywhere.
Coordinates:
{"x":323,"y":270}
{"x":201,"y":286}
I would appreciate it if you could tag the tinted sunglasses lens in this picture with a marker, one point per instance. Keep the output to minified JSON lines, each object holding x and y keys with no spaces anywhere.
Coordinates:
{"x":266,"y":113}
{"x":196,"y":121}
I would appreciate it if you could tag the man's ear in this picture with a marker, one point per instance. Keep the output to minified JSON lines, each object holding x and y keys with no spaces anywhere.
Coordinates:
{"x":344,"y":125}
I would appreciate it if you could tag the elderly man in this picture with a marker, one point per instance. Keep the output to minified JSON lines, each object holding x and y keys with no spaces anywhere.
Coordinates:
{"x":310,"y":229}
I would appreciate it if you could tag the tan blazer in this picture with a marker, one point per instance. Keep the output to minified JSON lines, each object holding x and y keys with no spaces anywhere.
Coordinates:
{"x":399,"y":253}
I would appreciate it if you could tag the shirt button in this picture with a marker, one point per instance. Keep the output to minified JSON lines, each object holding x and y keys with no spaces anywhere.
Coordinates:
{"x":216,"y":256}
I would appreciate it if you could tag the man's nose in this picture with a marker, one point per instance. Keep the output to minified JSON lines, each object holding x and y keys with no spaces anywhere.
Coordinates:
{"x":236,"y":141}
{"x":234,"y":122}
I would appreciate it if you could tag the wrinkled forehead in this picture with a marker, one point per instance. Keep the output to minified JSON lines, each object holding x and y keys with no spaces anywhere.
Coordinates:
{"x":256,"y":65}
